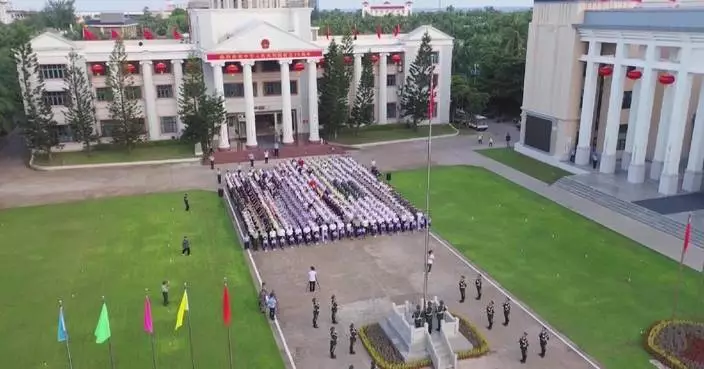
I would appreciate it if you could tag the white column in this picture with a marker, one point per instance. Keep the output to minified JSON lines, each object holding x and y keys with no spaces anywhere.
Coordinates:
{"x":607,"y":164}
{"x":250,"y":123}
{"x":631,"y":132}
{"x":693,"y":174}
{"x":663,"y":131}
{"x":586,"y":120}
{"x":152,"y":119}
{"x":382,"y":89}
{"x":219,"y":84}
{"x":357,"y":71}
{"x":177,"y":67}
{"x":669,"y":180}
{"x":636,"y":169}
{"x":313,"y":101}
{"x":286,"y":101}
{"x":239,"y":4}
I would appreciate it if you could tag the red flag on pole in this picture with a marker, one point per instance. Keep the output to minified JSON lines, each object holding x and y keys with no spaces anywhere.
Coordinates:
{"x":176,"y":34}
{"x":327,"y":31}
{"x":114,"y":34}
{"x":226,"y":311}
{"x":687,"y":235}
{"x":147,"y":33}
{"x":355,"y":32}
{"x":378,"y":31}
{"x":397,"y":30}
{"x":87,"y":34}
{"x":431,"y":98}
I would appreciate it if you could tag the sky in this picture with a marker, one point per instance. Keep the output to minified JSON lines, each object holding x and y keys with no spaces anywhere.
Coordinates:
{"x":137,"y":5}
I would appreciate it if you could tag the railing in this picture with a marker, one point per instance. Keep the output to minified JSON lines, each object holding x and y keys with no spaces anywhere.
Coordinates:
{"x":446,"y":342}
{"x":437,"y":361}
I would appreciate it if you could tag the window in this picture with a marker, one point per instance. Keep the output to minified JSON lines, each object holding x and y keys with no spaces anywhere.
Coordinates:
{"x":103,"y":94}
{"x":133,"y":92}
{"x":627,"y":96}
{"x":272,"y":88}
{"x":62,"y":133}
{"x":168,"y":125}
{"x":234,"y":90}
{"x":435,"y":80}
{"x":52,"y":71}
{"x":270,"y":66}
{"x":164,"y":91}
{"x":107,"y":127}
{"x":391,"y":110}
{"x":55,"y":98}
{"x":294,"y":87}
{"x":435,"y":110}
{"x":434,"y":57}
{"x":391,"y":80}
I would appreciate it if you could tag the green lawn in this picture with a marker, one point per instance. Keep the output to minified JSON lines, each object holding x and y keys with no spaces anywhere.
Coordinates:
{"x":570,"y":270}
{"x":389,"y":132}
{"x":118,"y":247}
{"x":108,"y":154}
{"x":534,"y":168}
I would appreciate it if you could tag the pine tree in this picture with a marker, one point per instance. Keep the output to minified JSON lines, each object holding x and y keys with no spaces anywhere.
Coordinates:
{"x":334,"y":87}
{"x":415,"y":93}
{"x":200,"y":112}
{"x":80,"y":110}
{"x":363,"y":107}
{"x":124,"y":107}
{"x":38,"y":125}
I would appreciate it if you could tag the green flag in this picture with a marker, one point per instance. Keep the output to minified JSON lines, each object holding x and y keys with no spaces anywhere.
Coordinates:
{"x":102,"y":331}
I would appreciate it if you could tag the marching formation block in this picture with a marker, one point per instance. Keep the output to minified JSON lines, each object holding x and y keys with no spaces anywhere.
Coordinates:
{"x":317,"y":200}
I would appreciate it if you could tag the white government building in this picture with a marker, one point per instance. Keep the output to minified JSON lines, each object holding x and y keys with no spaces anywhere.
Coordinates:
{"x":247,"y":50}
{"x":622,"y":80}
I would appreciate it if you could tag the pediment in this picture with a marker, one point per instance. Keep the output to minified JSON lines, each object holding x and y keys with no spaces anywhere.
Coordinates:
{"x":254,"y":36}
{"x":52,"y":41}
{"x":435,"y":34}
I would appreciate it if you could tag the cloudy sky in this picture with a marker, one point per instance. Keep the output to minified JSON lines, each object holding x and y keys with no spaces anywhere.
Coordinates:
{"x":135,"y":5}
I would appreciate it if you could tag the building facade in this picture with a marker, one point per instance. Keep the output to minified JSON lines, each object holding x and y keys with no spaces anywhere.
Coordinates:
{"x":246,"y":54}
{"x":620,"y":82}
{"x":9,"y":15}
{"x":387,"y":8}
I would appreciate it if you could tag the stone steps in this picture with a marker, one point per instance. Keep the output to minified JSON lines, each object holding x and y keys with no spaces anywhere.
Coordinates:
{"x":443,"y":351}
{"x":394,"y":336}
{"x":631,"y":210}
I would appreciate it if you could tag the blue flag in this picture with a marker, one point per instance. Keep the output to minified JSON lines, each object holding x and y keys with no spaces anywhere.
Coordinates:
{"x":62,"y":333}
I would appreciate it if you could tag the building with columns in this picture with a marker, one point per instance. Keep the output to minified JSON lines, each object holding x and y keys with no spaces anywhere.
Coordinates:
{"x":620,"y":81}
{"x":387,"y":9}
{"x":246,"y":53}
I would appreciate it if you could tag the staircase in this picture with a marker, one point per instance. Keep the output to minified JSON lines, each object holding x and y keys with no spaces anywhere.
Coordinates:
{"x":443,"y":351}
{"x":631,"y":210}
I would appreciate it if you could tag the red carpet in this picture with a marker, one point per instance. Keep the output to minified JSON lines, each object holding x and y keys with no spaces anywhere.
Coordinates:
{"x":236,"y":155}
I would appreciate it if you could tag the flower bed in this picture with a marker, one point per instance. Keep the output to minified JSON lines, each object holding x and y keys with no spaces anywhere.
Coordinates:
{"x":678,"y":344}
{"x":383,"y":351}
{"x":480,"y":346}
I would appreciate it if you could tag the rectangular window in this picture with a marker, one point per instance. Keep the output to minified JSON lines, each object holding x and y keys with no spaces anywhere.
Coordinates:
{"x":391,"y":110}
{"x":270,"y":66}
{"x":164,"y":91}
{"x":391,"y":80}
{"x":133,"y":92}
{"x":272,"y":88}
{"x":294,"y":87}
{"x":107,"y":127}
{"x":234,"y":90}
{"x":62,"y":133}
{"x":627,"y":97}
{"x":103,"y":94}
{"x":55,"y":98}
{"x":435,"y":80}
{"x":52,"y":71}
{"x":168,"y":125}
{"x":435,"y":110}
{"x":434,"y":57}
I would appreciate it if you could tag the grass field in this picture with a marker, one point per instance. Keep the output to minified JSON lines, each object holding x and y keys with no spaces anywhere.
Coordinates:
{"x":118,"y":247}
{"x":570,"y":270}
{"x":101,"y":154}
{"x":389,"y":132}
{"x":534,"y":168}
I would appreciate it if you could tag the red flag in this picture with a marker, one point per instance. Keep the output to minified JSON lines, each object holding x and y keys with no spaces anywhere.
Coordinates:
{"x":176,"y":34}
{"x":355,"y":32}
{"x":378,"y":31}
{"x":114,"y":35}
{"x":687,"y":235}
{"x":327,"y":32}
{"x":88,"y":35}
{"x":226,"y":312}
{"x":431,"y":99}
{"x":147,"y":33}
{"x":397,"y":30}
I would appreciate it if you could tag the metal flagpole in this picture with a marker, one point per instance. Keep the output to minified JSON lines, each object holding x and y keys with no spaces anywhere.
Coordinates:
{"x":68,"y":349}
{"x":190,"y":332}
{"x":229,"y":338}
{"x":427,"y":189}
{"x":112,"y":359}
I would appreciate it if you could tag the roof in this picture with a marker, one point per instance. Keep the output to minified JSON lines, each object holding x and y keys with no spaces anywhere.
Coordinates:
{"x":689,"y":19}
{"x":250,"y":35}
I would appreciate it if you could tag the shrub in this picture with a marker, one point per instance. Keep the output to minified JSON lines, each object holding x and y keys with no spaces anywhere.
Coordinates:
{"x":384,"y":352}
{"x":480,"y":346}
{"x":679,"y":344}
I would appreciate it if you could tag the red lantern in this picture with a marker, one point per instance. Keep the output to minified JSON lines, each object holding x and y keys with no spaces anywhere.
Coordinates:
{"x":606,"y":70}
{"x":321,"y":63}
{"x":396,"y":58}
{"x":160,"y":67}
{"x":299,"y":67}
{"x":232,"y":69}
{"x":634,"y":74}
{"x":375,"y":58}
{"x":131,"y":69}
{"x":666,"y":79}
{"x":348,"y":59}
{"x":97,"y":69}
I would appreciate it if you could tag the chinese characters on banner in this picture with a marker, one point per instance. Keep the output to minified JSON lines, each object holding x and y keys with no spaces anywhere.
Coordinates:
{"x":265,"y":55}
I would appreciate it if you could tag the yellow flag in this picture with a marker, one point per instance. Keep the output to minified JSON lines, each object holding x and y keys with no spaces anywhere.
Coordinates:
{"x":182,"y":308}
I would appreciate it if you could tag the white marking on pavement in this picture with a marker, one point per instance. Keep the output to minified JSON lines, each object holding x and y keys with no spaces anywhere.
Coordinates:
{"x":515,"y":301}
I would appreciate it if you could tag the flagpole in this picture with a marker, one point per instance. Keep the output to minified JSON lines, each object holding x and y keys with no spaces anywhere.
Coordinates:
{"x":679,"y":275}
{"x":112,"y":359}
{"x":229,"y":338}
{"x":427,"y":189}
{"x":68,"y":349}
{"x":190,"y":332}
{"x":151,"y":334}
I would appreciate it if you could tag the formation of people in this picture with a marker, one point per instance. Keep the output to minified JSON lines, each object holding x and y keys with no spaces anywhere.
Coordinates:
{"x":317,"y":200}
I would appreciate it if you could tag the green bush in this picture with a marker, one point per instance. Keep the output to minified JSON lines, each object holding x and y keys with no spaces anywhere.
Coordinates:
{"x":480,"y":346}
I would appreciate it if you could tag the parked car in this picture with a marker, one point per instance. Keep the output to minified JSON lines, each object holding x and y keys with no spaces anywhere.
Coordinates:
{"x":479,"y":123}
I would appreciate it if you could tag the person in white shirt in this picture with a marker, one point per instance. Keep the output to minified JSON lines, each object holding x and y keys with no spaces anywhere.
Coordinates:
{"x":312,"y":279}
{"x":431,"y":259}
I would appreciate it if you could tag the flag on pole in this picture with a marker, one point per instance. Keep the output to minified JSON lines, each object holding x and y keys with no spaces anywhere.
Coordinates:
{"x":63,"y":333}
{"x":102,"y":330}
{"x":226,"y":311}
{"x":148,"y":323}
{"x":88,"y":35}
{"x":114,"y":35}
{"x":378,"y":31}
{"x":397,"y":30}
{"x":327,"y":31}
{"x":431,"y":98}
{"x":182,"y":309}
{"x":176,"y":34}
{"x":147,"y":33}
{"x":355,"y":32}
{"x":687,"y":235}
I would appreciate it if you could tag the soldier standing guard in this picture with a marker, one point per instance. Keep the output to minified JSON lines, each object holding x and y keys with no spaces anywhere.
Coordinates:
{"x":429,"y":316}
{"x":523,"y":343}
{"x":263,"y":293}
{"x":219,"y":174}
{"x":316,"y":312}
{"x":186,"y":204}
{"x":490,"y":314}
{"x":478,"y":285}
{"x":440,"y":314}
{"x":543,"y":337}
{"x":507,"y":310}
{"x":353,"y":338}
{"x":463,"y":287}
{"x":333,"y":342}
{"x":417,"y":317}
{"x":333,"y":309}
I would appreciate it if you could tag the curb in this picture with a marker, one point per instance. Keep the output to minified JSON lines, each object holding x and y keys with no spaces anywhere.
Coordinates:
{"x":380,"y":143}
{"x":109,"y":165}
